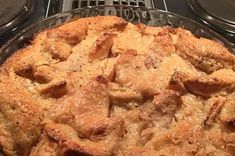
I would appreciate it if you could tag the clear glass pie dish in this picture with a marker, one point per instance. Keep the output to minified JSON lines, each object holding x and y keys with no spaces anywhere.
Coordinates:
{"x":132,"y":14}
{"x":56,"y":88}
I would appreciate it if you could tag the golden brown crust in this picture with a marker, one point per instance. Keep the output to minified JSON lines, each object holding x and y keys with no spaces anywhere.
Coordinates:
{"x":220,"y":80}
{"x":227,"y":112}
{"x":205,"y":54}
{"x":23,"y":116}
{"x":47,"y":147}
{"x":102,"y":86}
{"x":101,"y":48}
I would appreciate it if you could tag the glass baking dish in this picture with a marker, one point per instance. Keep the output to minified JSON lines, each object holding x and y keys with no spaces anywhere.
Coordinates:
{"x":132,"y":14}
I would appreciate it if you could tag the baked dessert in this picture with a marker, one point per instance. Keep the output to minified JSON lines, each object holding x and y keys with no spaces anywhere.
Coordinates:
{"x":102,"y":86}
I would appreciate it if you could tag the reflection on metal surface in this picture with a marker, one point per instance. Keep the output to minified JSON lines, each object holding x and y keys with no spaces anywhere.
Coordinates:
{"x":48,"y":8}
{"x":165,"y":6}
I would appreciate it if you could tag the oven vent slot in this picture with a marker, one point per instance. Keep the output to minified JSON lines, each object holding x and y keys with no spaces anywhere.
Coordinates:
{"x":74,"y":4}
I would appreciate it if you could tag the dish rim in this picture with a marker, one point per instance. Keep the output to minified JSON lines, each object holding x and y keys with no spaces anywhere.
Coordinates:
{"x":216,"y":35}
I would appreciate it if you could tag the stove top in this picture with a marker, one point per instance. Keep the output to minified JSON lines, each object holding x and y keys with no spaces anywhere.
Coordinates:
{"x":9,"y":10}
{"x":217,"y":15}
{"x":46,"y":8}
{"x":14,"y":18}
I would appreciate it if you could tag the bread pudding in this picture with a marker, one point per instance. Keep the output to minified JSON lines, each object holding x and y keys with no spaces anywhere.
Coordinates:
{"x":101,"y":86}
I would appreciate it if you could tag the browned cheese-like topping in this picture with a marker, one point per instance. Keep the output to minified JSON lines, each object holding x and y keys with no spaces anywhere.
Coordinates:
{"x":101,"y":86}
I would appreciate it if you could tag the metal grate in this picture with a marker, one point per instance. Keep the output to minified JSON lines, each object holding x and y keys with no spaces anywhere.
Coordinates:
{"x":73,"y":4}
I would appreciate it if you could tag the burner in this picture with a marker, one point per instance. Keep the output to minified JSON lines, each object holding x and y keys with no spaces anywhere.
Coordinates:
{"x":12,"y":13}
{"x":218,"y":14}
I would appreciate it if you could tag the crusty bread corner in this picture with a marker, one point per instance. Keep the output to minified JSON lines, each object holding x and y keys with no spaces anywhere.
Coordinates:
{"x":102,"y":86}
